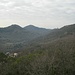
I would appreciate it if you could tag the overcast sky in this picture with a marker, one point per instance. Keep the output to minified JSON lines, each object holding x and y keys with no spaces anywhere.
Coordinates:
{"x":41,"y":13}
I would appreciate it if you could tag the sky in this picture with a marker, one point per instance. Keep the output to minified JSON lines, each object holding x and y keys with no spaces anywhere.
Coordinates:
{"x":41,"y":13}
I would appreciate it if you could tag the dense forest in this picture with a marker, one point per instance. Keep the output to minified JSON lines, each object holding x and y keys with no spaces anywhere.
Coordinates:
{"x":52,"y":53}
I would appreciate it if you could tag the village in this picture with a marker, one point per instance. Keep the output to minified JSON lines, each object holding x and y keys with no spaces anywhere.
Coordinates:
{"x":11,"y":54}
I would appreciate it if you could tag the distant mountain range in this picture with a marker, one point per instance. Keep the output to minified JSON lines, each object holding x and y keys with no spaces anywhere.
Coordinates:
{"x":14,"y":37}
{"x":15,"y":34}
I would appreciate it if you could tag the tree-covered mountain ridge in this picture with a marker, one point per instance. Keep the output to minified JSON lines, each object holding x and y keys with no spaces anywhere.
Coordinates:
{"x":14,"y":34}
{"x":15,"y":37}
{"x":50,"y":54}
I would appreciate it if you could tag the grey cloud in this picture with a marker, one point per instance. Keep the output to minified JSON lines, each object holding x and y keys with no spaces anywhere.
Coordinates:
{"x":38,"y":9}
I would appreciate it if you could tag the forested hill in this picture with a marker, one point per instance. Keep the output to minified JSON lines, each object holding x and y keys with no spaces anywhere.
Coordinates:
{"x":15,"y":33}
{"x":50,"y":54}
{"x":55,"y":34}
{"x":13,"y":36}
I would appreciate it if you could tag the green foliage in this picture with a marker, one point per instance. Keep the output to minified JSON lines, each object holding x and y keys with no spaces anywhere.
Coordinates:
{"x":2,"y":57}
